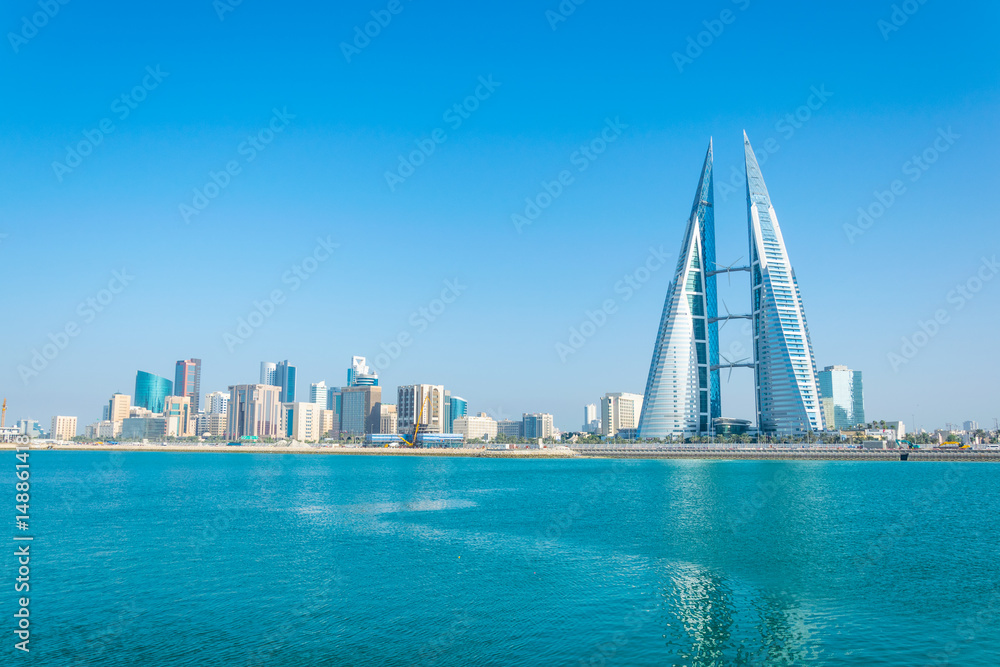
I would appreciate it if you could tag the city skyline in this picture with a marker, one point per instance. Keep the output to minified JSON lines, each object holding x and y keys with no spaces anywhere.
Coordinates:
{"x":869,"y":152}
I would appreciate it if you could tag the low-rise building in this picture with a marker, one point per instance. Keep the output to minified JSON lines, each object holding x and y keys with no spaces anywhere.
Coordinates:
{"x":302,"y":421}
{"x":388,"y":418}
{"x":102,"y":430}
{"x":212,"y":425}
{"x":537,"y":425}
{"x":510,"y":428}
{"x":135,"y":429}
{"x":482,"y":427}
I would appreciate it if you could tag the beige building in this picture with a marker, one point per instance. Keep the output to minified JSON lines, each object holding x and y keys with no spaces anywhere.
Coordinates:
{"x":329,"y":427}
{"x":423,"y":401}
{"x":387,"y":418}
{"x":301,"y":421}
{"x":620,"y":411}
{"x":481,"y":426}
{"x":118,"y":410}
{"x":212,"y":425}
{"x":63,"y":428}
{"x":103,"y":430}
{"x":177,"y":412}
{"x":254,"y":410}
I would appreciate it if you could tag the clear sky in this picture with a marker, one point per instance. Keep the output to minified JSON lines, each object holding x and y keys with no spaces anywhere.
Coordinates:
{"x":92,"y":182}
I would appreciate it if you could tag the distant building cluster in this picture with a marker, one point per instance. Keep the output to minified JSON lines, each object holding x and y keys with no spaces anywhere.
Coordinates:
{"x":425,"y":414}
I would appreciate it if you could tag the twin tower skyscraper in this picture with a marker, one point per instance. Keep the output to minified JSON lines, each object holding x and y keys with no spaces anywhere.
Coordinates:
{"x":683,"y":394}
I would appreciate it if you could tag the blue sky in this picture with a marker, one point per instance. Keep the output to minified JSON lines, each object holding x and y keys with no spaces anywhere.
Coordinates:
{"x":888,"y":95}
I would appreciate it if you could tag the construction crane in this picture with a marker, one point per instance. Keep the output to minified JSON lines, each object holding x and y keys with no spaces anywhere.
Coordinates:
{"x":3,"y":414}
{"x":416,"y":427}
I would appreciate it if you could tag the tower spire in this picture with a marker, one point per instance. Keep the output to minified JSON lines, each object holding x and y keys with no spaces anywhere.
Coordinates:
{"x":682,"y":391}
{"x":785,"y":367}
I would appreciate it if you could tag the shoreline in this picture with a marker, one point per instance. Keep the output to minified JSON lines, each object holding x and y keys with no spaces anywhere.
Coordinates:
{"x":769,"y":454}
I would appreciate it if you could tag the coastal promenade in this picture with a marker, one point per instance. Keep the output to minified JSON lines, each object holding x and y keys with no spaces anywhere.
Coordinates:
{"x":632,"y":451}
{"x":785,"y":452}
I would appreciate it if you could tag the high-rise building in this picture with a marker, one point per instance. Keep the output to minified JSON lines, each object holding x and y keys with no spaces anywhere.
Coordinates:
{"x":589,"y":416}
{"x":268,"y":373}
{"x":841,"y":394}
{"x":63,"y":428}
{"x":620,"y":412}
{"x":302,"y":421}
{"x":254,"y":410}
{"x":216,"y":403}
{"x":360,"y":375}
{"x":682,"y":394}
{"x":423,"y":401}
{"x":388,"y":419}
{"x":456,"y":407}
{"x":151,"y":391}
{"x":187,"y":382}
{"x":787,"y":395}
{"x":481,"y":426}
{"x":177,"y":412}
{"x":118,"y":410}
{"x":284,"y":377}
{"x":970,"y":426}
{"x":360,"y":412}
{"x":510,"y":428}
{"x":537,"y":425}
{"x":318,"y":392}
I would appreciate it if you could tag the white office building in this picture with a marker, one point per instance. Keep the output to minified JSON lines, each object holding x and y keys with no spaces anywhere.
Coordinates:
{"x":620,"y":411}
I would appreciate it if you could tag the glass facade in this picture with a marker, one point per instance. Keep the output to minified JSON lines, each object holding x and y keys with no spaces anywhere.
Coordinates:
{"x":683,"y":396}
{"x":842,"y":397}
{"x":284,"y":377}
{"x":785,"y":368}
{"x":457,"y":407}
{"x":360,"y":375}
{"x":187,"y":382}
{"x":151,"y":391}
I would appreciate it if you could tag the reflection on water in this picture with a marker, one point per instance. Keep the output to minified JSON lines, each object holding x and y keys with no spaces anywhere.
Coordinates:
{"x":710,"y":620}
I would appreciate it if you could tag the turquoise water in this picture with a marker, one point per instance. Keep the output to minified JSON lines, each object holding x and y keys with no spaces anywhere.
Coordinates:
{"x":240,"y":559}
